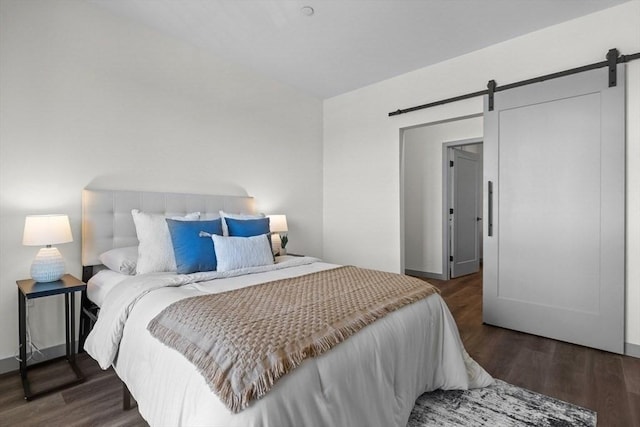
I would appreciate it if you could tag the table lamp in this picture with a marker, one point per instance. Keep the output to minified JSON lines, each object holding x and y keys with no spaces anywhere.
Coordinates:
{"x":47,"y":230}
{"x":278,"y":228}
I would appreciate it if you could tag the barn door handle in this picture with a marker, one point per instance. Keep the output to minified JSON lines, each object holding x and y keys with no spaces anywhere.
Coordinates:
{"x":490,"y":209}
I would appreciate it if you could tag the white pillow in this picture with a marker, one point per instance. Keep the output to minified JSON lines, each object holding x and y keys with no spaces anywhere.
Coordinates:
{"x":155,"y":251}
{"x":223,"y":215}
{"x":234,"y":253}
{"x":121,"y":260}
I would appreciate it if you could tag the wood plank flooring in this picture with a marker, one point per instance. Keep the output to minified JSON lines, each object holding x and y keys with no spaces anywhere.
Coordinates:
{"x":604,"y":382}
{"x":594,"y":379}
{"x":96,"y":402}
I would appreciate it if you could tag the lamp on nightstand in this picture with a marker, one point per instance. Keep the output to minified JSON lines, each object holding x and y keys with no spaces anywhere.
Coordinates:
{"x":47,"y":230}
{"x":278,"y":228}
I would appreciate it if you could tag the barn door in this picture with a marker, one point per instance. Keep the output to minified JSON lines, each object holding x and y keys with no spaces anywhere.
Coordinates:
{"x":554,"y":176}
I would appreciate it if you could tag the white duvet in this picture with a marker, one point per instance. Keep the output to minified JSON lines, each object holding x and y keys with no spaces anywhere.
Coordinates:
{"x":371,"y":379}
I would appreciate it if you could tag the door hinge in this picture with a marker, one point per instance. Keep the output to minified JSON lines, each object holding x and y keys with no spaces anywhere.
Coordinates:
{"x":451,"y":258}
{"x":451,"y":211}
{"x":450,"y":163}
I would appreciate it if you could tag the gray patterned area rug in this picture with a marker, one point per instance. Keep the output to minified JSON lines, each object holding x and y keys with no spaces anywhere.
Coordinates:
{"x":501,"y":404}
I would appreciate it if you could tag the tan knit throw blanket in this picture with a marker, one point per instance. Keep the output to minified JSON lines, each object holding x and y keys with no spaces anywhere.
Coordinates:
{"x":243,"y":341}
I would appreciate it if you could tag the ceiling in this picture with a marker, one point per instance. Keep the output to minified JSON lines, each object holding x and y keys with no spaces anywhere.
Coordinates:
{"x":346,"y":44}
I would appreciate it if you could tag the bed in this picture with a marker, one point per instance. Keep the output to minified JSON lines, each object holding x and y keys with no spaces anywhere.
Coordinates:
{"x":371,"y":378}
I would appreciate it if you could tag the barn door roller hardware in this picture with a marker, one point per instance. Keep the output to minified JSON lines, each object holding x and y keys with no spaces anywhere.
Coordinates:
{"x":491,"y":90}
{"x":613,"y":59}
{"x":612,"y":62}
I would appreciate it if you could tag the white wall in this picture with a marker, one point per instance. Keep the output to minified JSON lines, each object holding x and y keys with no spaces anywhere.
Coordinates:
{"x":361,"y":144}
{"x":91,"y":98}
{"x":423,"y":190}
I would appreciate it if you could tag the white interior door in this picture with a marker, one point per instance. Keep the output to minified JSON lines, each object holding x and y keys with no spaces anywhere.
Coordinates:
{"x":554,"y":256}
{"x":465,"y":175}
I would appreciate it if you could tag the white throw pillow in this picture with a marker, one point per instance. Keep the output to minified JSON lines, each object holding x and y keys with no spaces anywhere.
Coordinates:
{"x":234,"y":253}
{"x":155,"y":251}
{"x":121,"y":260}
{"x":223,"y":215}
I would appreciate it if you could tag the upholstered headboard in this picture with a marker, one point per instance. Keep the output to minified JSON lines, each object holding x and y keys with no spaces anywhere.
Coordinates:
{"x":107,"y":222}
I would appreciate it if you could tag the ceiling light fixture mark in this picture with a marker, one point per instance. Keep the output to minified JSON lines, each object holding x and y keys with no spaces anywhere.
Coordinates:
{"x":307,"y":10}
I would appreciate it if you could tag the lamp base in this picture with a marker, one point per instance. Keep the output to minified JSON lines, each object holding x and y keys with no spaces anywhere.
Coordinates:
{"x":48,"y":266}
{"x":276,"y":243}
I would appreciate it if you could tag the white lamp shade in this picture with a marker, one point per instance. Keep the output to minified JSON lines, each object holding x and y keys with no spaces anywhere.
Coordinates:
{"x":43,"y":230}
{"x":278,"y":223}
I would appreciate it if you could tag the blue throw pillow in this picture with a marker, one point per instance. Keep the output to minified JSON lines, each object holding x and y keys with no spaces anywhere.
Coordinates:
{"x":194,"y":253}
{"x":247,"y":227}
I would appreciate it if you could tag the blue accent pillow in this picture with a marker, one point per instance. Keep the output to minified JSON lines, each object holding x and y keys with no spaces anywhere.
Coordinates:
{"x":247,"y":227}
{"x":194,"y":253}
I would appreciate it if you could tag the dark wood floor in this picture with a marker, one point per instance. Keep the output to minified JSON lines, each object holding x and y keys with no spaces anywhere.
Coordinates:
{"x":96,"y":402}
{"x":604,"y":382}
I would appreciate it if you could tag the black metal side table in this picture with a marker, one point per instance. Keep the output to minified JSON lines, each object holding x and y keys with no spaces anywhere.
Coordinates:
{"x":29,"y":289}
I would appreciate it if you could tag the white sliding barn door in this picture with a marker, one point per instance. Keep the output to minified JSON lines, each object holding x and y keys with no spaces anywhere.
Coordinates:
{"x":554,"y":261}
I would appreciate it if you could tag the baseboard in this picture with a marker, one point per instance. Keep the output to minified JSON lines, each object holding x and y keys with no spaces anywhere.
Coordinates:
{"x":11,"y":364}
{"x":632,"y":350}
{"x":424,"y":274}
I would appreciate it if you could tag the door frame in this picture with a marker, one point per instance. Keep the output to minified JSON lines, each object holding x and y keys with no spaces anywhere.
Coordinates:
{"x":447,"y":200}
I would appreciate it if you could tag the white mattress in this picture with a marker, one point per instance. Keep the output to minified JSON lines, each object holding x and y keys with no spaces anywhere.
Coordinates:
{"x":101,"y":284}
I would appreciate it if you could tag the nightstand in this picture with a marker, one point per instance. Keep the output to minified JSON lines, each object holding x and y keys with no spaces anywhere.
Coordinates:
{"x":29,"y":289}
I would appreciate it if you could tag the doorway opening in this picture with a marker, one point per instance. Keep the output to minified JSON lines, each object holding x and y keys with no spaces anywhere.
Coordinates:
{"x":423,"y":192}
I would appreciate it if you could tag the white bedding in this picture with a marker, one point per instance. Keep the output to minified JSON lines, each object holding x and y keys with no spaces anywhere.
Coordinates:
{"x":101,"y":284}
{"x":371,"y":379}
